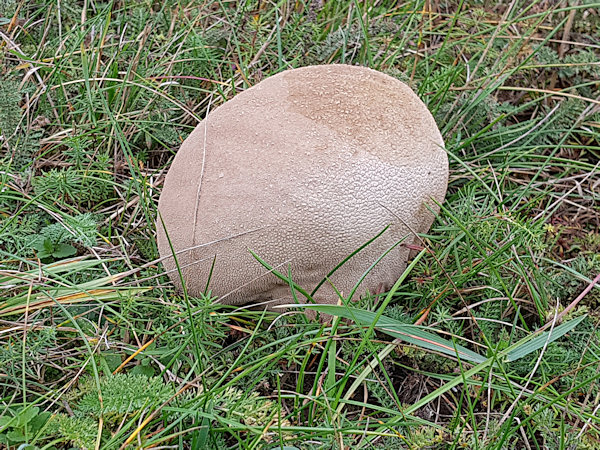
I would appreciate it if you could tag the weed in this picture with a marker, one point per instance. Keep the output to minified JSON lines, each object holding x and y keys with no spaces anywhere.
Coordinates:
{"x":96,"y":98}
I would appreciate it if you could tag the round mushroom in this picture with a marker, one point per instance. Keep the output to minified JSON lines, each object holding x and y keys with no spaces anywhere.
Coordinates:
{"x":302,"y":169}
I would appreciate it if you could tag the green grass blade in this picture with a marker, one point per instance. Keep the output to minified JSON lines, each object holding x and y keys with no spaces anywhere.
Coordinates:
{"x":546,"y":337}
{"x":412,"y":334}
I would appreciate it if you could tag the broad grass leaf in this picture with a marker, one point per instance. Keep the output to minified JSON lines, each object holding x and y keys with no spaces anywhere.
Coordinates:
{"x":539,"y":341}
{"x":411,"y":334}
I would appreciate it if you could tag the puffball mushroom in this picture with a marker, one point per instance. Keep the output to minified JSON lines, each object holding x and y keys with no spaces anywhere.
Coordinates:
{"x":302,"y":169}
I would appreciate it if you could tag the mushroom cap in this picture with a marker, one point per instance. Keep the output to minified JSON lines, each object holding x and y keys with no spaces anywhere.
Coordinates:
{"x":302,"y":168}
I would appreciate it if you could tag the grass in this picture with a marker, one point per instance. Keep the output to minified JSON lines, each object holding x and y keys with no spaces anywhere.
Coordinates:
{"x":490,"y":339}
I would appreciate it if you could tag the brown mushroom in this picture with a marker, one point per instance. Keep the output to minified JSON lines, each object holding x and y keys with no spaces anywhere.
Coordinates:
{"x":302,"y":169}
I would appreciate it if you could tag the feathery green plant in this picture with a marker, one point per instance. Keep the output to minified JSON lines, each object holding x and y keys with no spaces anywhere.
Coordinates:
{"x":96,"y":98}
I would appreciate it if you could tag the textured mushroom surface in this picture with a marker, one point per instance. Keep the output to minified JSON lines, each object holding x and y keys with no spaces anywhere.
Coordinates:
{"x":302,"y":169}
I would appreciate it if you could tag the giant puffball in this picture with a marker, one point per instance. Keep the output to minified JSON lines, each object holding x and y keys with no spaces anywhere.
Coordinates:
{"x":302,"y":169}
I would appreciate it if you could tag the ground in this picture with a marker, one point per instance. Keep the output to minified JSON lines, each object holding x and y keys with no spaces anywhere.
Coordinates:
{"x":489,"y":340}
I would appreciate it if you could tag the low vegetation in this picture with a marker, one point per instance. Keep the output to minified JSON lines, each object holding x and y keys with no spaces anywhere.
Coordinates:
{"x":490,"y":340}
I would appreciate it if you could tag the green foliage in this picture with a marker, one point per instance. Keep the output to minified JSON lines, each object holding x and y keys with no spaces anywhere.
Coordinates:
{"x":429,"y":362}
{"x":37,"y":348}
{"x":80,"y":228}
{"x":46,"y":250}
{"x":204,"y":52}
{"x":477,"y":233}
{"x":335,"y":41}
{"x":424,"y":437}
{"x":581,"y":63}
{"x":489,"y":320}
{"x":85,"y":182}
{"x":78,"y":151}
{"x":556,"y":434}
{"x":565,"y":118}
{"x":21,"y":425}
{"x":249,"y":409}
{"x":7,"y":8}
{"x":565,"y":284}
{"x":77,"y":430}
{"x":21,"y":139}
{"x":16,"y":233}
{"x":70,"y":185}
{"x":563,"y":356}
{"x":111,"y":110}
{"x":10,"y":112}
{"x":482,"y":219}
{"x":24,"y":235}
{"x":146,"y":248}
{"x":122,"y":394}
{"x":155,"y":133}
